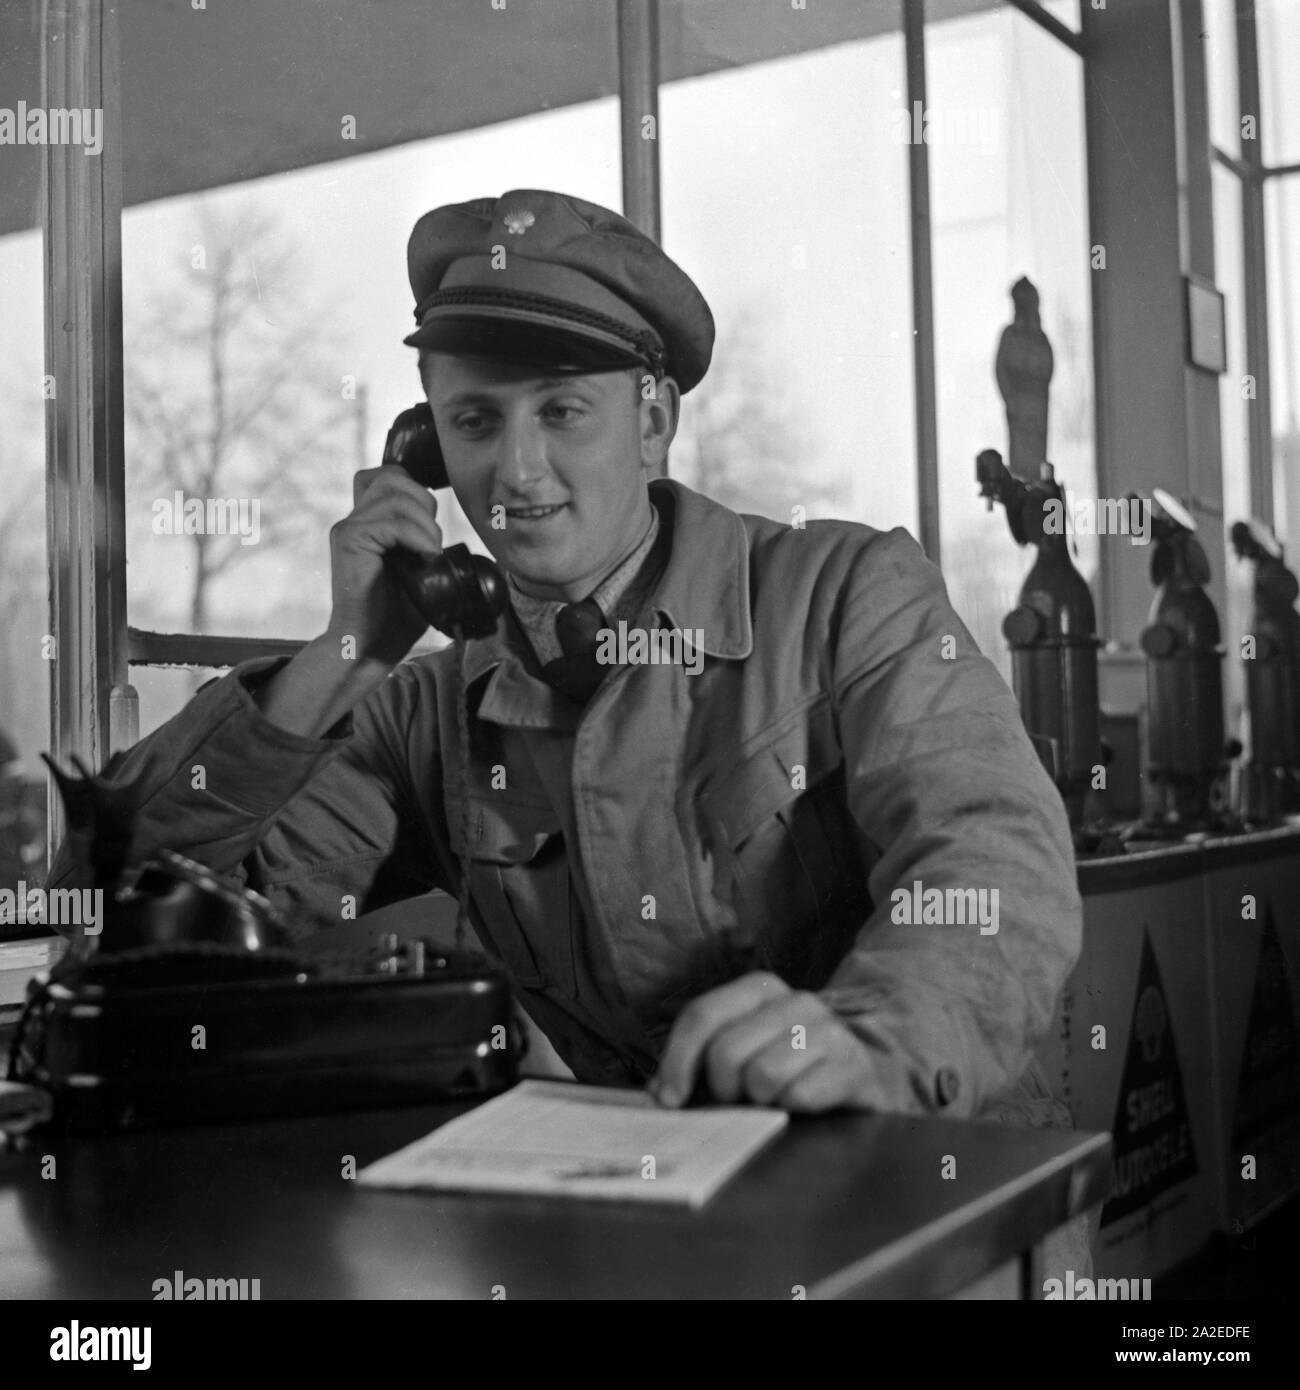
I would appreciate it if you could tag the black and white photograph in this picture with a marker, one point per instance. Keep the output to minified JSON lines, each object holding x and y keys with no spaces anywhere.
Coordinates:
{"x":649,"y":651}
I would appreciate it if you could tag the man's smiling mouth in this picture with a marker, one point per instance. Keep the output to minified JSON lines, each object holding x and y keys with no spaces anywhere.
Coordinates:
{"x":534,"y":513}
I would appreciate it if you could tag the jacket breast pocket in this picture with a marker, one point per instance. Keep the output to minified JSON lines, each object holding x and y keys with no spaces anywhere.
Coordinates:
{"x":790,"y":859}
{"x":519,"y":888}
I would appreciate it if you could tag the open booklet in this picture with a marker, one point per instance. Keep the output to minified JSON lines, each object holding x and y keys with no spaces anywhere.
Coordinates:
{"x":563,"y":1139}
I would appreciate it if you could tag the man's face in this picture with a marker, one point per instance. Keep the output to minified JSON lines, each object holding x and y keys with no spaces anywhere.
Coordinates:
{"x":562,"y":456}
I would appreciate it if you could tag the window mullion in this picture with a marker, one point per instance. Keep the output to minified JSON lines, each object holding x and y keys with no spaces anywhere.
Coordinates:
{"x":1254,"y":262}
{"x":918,"y":169}
{"x":91,"y":702}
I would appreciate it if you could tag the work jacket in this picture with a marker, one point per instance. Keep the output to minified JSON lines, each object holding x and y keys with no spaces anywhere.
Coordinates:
{"x":786,"y":801}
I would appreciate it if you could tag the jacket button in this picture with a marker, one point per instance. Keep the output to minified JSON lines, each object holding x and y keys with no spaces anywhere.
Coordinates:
{"x":947,"y":1085}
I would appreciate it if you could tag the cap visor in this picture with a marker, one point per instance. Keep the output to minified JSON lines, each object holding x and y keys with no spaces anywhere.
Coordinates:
{"x":505,"y":340}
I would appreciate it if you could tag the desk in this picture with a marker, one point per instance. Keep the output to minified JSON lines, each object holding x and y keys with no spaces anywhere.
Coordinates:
{"x":844,"y":1205}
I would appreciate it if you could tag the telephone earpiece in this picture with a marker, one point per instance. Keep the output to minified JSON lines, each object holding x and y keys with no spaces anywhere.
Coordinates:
{"x":412,"y":444}
{"x":458,"y":592}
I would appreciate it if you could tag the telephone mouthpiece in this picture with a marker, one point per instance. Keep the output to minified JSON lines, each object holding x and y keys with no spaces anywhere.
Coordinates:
{"x":495,"y":596}
{"x":458,"y":592}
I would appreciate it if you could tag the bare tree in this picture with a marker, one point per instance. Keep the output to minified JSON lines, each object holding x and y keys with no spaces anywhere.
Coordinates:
{"x":23,"y":692}
{"x":23,"y":585}
{"x":24,"y":622}
{"x":22,"y":578}
{"x":227,"y":394}
{"x":736,"y":443}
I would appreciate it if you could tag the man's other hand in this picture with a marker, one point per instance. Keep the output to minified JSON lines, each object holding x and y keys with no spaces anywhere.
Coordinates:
{"x":756,"y":1039}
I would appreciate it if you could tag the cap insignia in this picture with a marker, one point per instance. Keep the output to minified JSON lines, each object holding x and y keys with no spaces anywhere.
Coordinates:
{"x":517,"y":223}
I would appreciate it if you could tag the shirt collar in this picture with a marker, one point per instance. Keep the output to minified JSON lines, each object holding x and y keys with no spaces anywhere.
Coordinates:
{"x":705,"y":586}
{"x":537,"y":615}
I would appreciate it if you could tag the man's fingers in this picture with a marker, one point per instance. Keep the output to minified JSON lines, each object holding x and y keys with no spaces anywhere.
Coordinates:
{"x":699,"y":1022}
{"x":789,"y":1023}
{"x":819,"y":1087}
{"x":394,"y":480}
{"x":388,"y":517}
{"x":378,"y":535}
{"x":362,"y":482}
{"x":773,"y":1069}
{"x":829,"y":1084}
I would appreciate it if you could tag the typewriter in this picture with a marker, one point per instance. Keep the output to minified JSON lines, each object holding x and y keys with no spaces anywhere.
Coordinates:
{"x":193,"y":1004}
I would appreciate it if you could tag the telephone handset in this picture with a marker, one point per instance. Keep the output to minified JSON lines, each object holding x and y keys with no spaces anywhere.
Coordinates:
{"x":459,"y":593}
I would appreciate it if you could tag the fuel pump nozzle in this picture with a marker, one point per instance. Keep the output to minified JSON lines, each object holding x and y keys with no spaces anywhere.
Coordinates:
{"x":1186,"y":753}
{"x":1051,"y":633}
{"x":1270,"y":786}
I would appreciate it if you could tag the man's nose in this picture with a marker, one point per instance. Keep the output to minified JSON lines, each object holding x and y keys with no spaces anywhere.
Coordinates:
{"x":523,"y":451}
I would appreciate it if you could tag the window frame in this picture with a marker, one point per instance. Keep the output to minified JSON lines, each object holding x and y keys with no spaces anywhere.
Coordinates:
{"x":1253,"y":175}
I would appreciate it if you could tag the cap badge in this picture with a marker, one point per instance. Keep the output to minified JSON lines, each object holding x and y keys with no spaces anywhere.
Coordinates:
{"x":517,"y":223}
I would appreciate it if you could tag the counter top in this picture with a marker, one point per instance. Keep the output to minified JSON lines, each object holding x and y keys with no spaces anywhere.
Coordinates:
{"x":845,"y":1205}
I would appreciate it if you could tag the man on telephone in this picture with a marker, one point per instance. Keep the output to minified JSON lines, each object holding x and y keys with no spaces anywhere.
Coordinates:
{"x":807,"y":859}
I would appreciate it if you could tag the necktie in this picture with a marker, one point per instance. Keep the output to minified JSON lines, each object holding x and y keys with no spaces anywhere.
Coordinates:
{"x":577,"y":673}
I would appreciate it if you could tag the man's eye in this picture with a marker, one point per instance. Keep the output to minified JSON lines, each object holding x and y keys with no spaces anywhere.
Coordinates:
{"x":563,"y":413}
{"x":471,"y":422}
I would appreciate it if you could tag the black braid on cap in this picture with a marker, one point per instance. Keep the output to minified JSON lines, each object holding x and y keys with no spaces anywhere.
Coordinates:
{"x":643,"y":342}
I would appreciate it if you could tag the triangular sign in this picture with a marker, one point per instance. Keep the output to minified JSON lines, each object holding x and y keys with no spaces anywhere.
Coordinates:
{"x":1268,"y":1085}
{"x":1152,"y":1133}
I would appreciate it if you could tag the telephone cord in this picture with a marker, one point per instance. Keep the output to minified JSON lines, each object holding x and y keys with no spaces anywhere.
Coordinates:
{"x":462,"y":786}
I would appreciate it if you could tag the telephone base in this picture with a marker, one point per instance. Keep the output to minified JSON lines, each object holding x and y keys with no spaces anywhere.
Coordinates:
{"x":123,"y":1053}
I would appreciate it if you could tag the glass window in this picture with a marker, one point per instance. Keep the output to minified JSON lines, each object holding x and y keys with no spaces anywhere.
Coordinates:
{"x":24,"y":603}
{"x":1282,"y":212}
{"x":1221,"y":73}
{"x":263,"y":320}
{"x":264,"y":361}
{"x":1009,"y":200}
{"x":264,"y":317}
{"x":1234,"y":423}
{"x":1278,"y":27}
{"x":24,"y":640}
{"x":785,"y":199}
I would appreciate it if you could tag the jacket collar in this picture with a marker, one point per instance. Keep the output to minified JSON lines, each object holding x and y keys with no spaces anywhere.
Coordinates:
{"x":705,"y":586}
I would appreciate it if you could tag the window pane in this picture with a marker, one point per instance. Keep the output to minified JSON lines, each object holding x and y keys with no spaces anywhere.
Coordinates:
{"x":341,"y":303}
{"x":794,"y":225}
{"x":24,"y":655}
{"x":1009,"y":200}
{"x":1282,"y":211}
{"x":1278,"y":26}
{"x":1221,"y":72}
{"x":24,"y":605}
{"x":1234,"y":417}
{"x":264,"y":320}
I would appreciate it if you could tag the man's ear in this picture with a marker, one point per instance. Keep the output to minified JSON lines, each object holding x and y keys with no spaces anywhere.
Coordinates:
{"x":660,"y":407}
